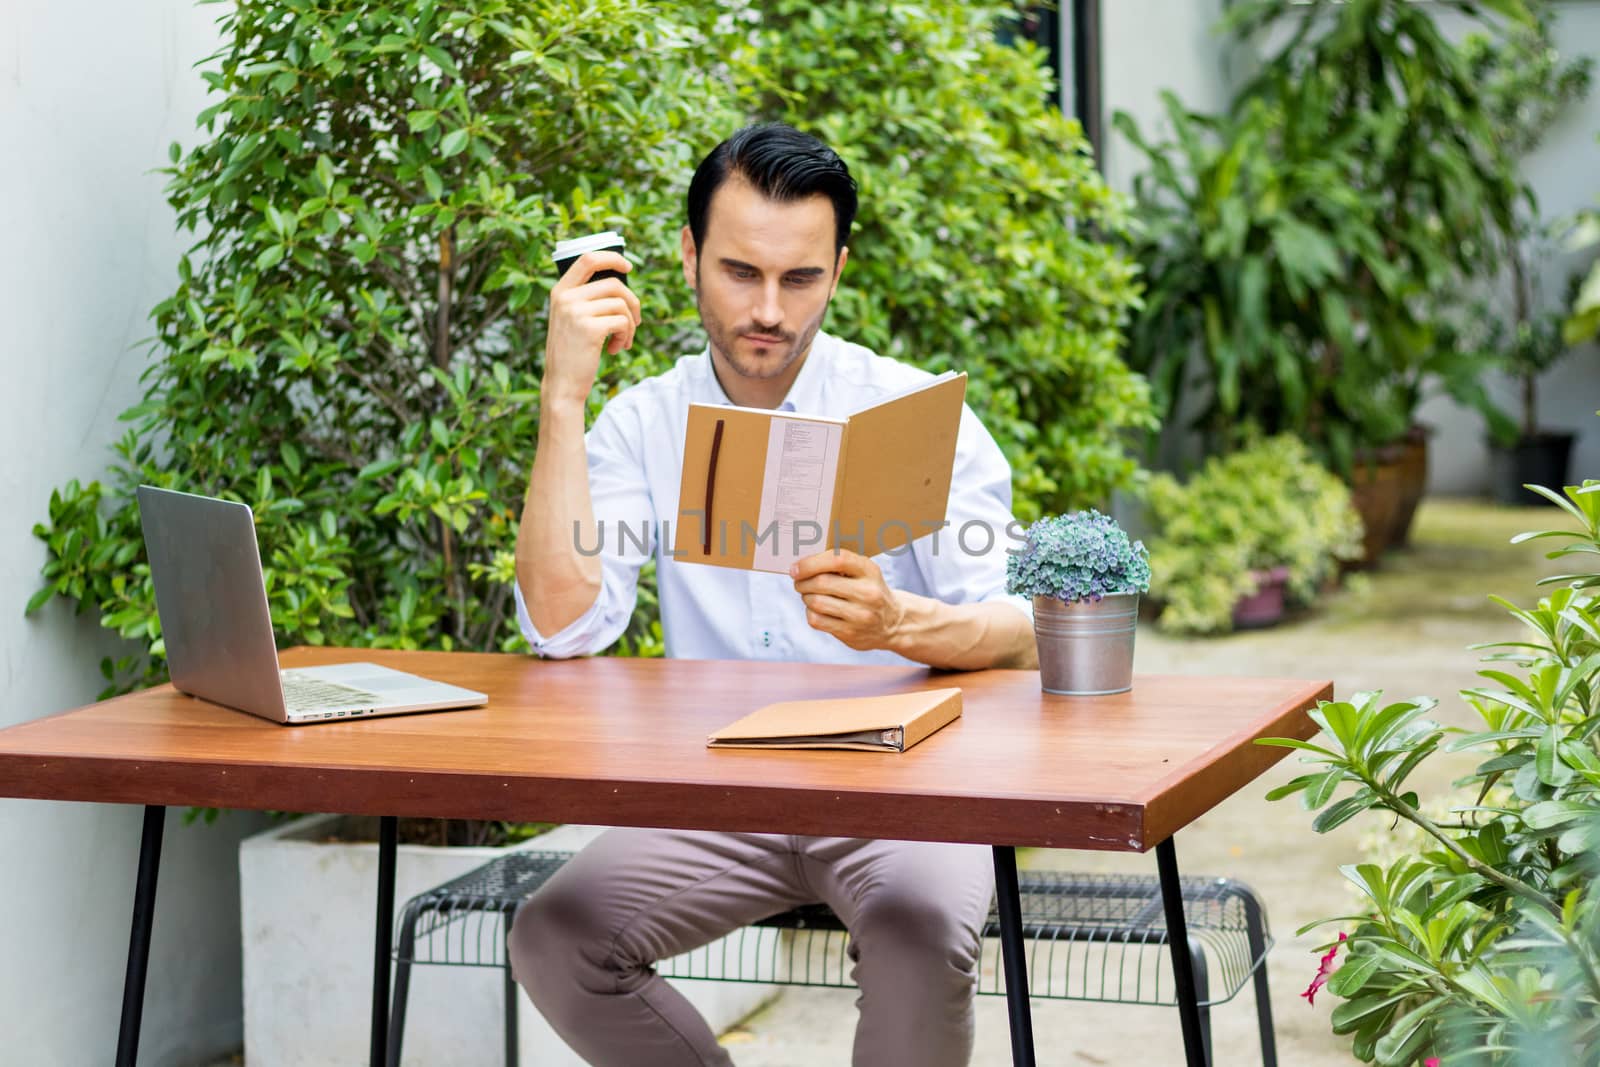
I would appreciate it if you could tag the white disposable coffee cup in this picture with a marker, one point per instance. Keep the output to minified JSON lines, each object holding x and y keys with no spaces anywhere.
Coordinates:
{"x":567,"y":252}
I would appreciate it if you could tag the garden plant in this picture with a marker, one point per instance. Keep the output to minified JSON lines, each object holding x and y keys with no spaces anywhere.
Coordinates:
{"x":1528,"y":84}
{"x":1084,"y":575}
{"x":1269,"y":505}
{"x":1297,"y":242}
{"x":1084,"y":556}
{"x":1483,"y":946}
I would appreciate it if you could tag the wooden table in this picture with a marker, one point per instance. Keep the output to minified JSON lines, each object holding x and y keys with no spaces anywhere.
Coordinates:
{"x":621,"y":742}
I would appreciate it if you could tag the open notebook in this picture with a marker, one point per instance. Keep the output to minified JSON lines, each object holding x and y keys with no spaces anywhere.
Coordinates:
{"x":891,"y":723}
{"x":761,"y":489}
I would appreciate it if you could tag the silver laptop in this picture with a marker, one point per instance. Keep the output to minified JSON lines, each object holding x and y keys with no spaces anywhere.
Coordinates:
{"x":212,"y":600}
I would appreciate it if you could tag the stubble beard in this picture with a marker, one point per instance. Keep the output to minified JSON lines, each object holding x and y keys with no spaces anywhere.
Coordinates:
{"x":724,"y":342}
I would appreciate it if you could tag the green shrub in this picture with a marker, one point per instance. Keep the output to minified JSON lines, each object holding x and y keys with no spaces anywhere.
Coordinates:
{"x":983,"y":239}
{"x":1483,"y":948}
{"x":1266,"y":506}
{"x":354,"y":343}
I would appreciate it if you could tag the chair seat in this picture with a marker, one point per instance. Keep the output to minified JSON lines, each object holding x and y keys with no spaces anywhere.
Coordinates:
{"x":1093,"y":936}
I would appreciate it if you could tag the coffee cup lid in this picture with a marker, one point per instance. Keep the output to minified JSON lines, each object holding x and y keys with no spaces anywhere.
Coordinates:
{"x":577,"y":246}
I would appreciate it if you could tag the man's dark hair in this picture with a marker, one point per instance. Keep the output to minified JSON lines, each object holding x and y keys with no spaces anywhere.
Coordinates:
{"x":784,"y":164}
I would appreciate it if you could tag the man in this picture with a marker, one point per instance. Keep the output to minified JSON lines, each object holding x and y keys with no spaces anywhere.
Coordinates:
{"x":770,"y":211}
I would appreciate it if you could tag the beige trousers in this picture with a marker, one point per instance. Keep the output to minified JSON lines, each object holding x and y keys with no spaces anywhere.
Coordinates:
{"x":584,"y":945}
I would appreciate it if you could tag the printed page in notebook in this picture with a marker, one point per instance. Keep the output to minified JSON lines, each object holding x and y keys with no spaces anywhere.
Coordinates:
{"x":796,"y":490}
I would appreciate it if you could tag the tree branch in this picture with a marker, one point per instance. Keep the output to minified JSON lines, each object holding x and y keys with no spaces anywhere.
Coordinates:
{"x":408,"y":294}
{"x":1483,"y":870}
{"x":454,"y":586}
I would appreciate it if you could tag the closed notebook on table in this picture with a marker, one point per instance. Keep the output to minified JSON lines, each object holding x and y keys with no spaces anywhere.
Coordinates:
{"x":891,"y":723}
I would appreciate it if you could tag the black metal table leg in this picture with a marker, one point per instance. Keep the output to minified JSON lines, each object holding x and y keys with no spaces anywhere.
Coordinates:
{"x":388,"y":838}
{"x":144,"y":913}
{"x":1182,"y":966}
{"x":1011,"y":949}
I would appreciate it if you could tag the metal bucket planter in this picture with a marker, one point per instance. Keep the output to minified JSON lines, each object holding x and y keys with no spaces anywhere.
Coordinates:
{"x":1086,"y":648}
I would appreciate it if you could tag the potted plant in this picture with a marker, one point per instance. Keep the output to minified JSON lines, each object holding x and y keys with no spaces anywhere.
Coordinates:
{"x":1292,"y":242}
{"x":1521,"y":452}
{"x":1528,"y":83}
{"x":1085,"y":577}
{"x":1248,"y":534}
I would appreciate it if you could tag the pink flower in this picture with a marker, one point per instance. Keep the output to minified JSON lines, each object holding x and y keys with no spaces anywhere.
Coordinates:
{"x":1324,"y":969}
{"x":1431,"y":1061}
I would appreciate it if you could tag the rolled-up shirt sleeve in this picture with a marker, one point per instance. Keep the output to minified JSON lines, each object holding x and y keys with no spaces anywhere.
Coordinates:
{"x":624,"y":538}
{"x":966,"y":562}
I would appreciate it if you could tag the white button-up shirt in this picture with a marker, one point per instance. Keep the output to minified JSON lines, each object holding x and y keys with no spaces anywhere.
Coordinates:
{"x":635,"y":466}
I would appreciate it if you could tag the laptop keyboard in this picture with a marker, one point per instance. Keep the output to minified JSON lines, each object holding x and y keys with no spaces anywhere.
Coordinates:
{"x":303,"y":694}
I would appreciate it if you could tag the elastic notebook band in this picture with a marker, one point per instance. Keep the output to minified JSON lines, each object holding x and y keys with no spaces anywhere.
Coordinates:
{"x":711,"y":482}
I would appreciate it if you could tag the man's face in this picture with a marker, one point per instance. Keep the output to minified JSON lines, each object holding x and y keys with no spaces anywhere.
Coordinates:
{"x":762,"y":279}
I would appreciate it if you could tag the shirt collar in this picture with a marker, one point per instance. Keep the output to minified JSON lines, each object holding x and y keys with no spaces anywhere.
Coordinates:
{"x":805,"y":393}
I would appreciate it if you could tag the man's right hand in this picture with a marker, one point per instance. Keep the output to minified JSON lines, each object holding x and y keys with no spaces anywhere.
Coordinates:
{"x":586,"y":316}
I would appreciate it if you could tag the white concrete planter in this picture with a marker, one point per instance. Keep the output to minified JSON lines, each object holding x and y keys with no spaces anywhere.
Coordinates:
{"x":307,"y":914}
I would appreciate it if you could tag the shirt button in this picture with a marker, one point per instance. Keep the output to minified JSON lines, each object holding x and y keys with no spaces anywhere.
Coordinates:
{"x":766,"y":638}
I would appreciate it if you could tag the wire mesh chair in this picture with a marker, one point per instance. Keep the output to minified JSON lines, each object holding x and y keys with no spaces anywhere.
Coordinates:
{"x":1090,"y":937}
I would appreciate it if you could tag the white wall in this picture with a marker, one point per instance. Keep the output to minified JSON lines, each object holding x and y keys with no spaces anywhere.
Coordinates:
{"x":1147,"y":47}
{"x":90,"y":97}
{"x":1150,"y":45}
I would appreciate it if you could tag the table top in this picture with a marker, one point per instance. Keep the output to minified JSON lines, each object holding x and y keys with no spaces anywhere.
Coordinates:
{"x":621,"y":742}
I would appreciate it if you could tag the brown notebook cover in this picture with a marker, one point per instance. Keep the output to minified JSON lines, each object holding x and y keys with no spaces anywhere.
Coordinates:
{"x":890,"y":723}
{"x":872,"y":482}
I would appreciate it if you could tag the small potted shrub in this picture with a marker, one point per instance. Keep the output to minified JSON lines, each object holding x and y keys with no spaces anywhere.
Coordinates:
{"x":1085,"y":577}
{"x":1250,"y":532}
{"x":1524,"y":452}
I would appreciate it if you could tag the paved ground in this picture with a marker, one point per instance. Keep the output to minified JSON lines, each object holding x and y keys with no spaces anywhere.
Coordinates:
{"x":1403,"y":629}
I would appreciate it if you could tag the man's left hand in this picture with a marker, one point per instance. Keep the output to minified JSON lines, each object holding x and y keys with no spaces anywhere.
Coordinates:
{"x":846,"y":596}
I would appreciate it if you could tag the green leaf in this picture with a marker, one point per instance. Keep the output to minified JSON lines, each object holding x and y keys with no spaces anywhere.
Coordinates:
{"x":1348,"y":1015}
{"x":1552,"y":770}
{"x":1343,"y":811}
{"x":378,"y":468}
{"x":1291,"y":742}
{"x":1321,"y":791}
{"x":38,"y":599}
{"x":1307,"y":254}
{"x":452,"y":143}
{"x":270,"y":257}
{"x":1288,"y":788}
{"x":1407,"y":1033}
{"x":1349,"y":979}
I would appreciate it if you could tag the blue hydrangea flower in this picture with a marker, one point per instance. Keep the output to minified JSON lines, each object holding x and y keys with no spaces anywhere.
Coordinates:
{"x":1084,"y":555}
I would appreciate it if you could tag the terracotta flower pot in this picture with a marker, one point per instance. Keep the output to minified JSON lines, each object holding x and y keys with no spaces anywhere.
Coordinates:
{"x":1265,"y":606}
{"x":1375,"y":489}
{"x":1413,"y":483}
